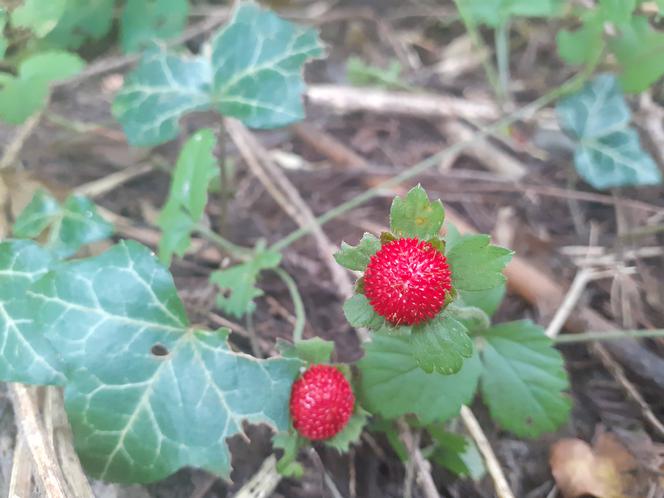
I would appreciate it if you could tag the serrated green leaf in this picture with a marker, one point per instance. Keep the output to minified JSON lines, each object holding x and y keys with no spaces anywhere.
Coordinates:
{"x":357,"y":258}
{"x":351,"y":433}
{"x":523,"y":379}
{"x":495,"y":12}
{"x":359,"y":313}
{"x":392,"y":384}
{"x":458,"y":454}
{"x":487,"y":300}
{"x":287,"y":465}
{"x":314,"y":350}
{"x":195,"y":169}
{"x":143,"y":21}
{"x":608,"y":154}
{"x":72,"y":225}
{"x":254,"y":74}
{"x":238,"y":283}
{"x":80,"y":21}
{"x":38,"y":16}
{"x":476,"y":264}
{"x":416,"y":216}
{"x":441,"y":345}
{"x":148,"y":394}
{"x":639,"y":51}
{"x":25,"y":354}
{"x":475,"y":319}
{"x":25,"y":94}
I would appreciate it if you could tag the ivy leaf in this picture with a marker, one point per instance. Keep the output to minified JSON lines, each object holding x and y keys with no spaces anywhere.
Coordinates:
{"x":194,"y":170}
{"x":351,"y":433}
{"x":357,"y":258}
{"x":608,"y":153}
{"x":147,"y":393}
{"x":393,"y":384}
{"x":495,"y":12}
{"x":523,"y":379}
{"x":25,"y":94}
{"x":145,"y":20}
{"x":73,"y":225}
{"x":638,"y":50}
{"x":25,"y":354}
{"x":476,"y":264}
{"x":253,"y":73}
{"x":360,"y":313}
{"x":38,"y":16}
{"x":80,"y":21}
{"x":441,"y":344}
{"x":415,"y":216}
{"x":238,"y":283}
{"x":314,"y":350}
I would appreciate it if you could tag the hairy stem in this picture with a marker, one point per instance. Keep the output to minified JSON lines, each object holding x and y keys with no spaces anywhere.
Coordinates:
{"x":298,"y":305}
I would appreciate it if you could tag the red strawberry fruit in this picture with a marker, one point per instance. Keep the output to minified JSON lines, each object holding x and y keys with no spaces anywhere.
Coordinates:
{"x":321,"y":403}
{"x":407,"y":281}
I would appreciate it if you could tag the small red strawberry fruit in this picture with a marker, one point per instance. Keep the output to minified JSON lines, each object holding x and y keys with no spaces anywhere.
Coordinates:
{"x":321,"y":402}
{"x":407,"y":281}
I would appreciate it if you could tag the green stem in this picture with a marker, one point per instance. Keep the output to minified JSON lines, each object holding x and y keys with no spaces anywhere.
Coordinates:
{"x":224,"y":177}
{"x":298,"y":305}
{"x":432,"y":161}
{"x":476,"y":38}
{"x":238,"y":252}
{"x":501,"y":37}
{"x":608,"y":336}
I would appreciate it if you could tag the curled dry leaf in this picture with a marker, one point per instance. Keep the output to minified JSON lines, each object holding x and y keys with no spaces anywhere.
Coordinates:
{"x":605,"y":470}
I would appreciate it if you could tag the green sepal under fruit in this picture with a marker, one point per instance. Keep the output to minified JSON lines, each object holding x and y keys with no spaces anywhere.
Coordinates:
{"x":352,"y":433}
{"x":291,"y":443}
{"x":312,"y":351}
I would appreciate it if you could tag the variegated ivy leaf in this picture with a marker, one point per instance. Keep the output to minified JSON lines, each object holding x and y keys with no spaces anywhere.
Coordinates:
{"x":72,"y":225}
{"x":25,"y":354}
{"x":147,"y":393}
{"x":253,"y":73}
{"x":416,"y":216}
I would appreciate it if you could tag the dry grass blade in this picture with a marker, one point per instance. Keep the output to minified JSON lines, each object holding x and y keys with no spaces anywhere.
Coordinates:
{"x":20,"y":481}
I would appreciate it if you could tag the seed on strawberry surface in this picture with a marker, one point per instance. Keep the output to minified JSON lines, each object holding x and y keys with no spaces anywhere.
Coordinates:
{"x":321,"y":403}
{"x":407,"y":281}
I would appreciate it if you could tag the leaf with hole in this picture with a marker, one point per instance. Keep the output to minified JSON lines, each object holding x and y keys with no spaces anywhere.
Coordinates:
{"x":524,"y":379}
{"x":392,"y":384}
{"x":143,"y":21}
{"x":72,"y":225}
{"x":194,"y":170}
{"x":237,"y":284}
{"x":416,"y":216}
{"x":253,"y":72}
{"x":608,"y":152}
{"x":147,"y":393}
{"x":25,"y":354}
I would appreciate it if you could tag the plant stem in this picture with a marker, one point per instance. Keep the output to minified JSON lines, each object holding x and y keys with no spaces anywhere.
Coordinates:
{"x":502,"y":43}
{"x":432,"y":161}
{"x":224,"y":177}
{"x":298,"y":305}
{"x":476,"y":38}
{"x":238,"y":252}
{"x":608,"y":336}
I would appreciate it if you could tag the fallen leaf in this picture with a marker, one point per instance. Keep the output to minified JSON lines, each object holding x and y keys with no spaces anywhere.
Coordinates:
{"x":605,"y":470}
